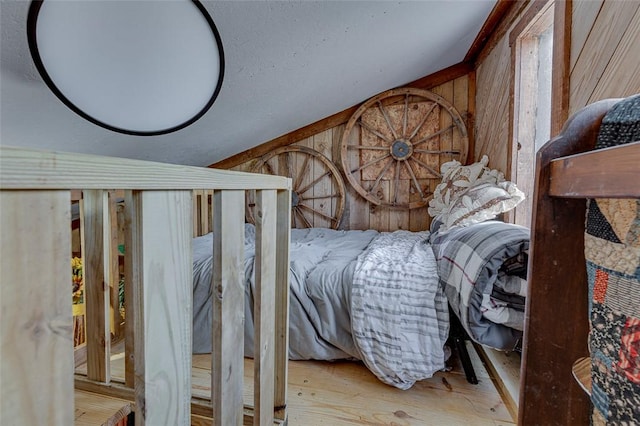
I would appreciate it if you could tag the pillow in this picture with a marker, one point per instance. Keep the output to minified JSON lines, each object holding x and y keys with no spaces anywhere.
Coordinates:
{"x":456,"y":179}
{"x":478,"y":203}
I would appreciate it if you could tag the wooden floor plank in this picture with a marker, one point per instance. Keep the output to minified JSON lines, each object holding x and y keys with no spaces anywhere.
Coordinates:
{"x":347,"y":393}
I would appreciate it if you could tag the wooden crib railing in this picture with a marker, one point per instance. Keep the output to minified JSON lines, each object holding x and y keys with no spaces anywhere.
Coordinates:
{"x":557,"y":324}
{"x":36,"y":344}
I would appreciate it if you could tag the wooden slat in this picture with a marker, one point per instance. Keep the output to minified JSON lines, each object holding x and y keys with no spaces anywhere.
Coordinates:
{"x":36,"y":337}
{"x":163,"y":334}
{"x":584,"y":14}
{"x":606,"y":173}
{"x":132,"y":275}
{"x":31,"y":169}
{"x":616,"y":80}
{"x":504,"y":368}
{"x":561,"y":65}
{"x":94,"y":221}
{"x":228,"y":307}
{"x":264,"y":307}
{"x":609,"y":28}
{"x":112,"y":256}
{"x":282,"y":237}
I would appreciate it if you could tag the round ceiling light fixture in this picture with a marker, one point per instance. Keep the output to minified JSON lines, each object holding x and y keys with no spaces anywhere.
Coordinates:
{"x":136,"y":67}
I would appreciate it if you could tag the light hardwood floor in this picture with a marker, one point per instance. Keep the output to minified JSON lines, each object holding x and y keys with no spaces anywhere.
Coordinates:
{"x":346,"y":393}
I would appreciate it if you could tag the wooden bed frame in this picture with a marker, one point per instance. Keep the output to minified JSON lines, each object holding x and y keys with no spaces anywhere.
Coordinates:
{"x":36,"y":345}
{"x":556,"y":325}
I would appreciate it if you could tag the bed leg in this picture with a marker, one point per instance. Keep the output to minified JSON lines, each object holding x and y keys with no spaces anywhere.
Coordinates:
{"x":458,"y":335}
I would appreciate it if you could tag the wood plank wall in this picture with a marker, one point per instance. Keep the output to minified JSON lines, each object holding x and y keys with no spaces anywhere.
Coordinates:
{"x":603,"y":64}
{"x":604,"y":51}
{"x":360,"y":214}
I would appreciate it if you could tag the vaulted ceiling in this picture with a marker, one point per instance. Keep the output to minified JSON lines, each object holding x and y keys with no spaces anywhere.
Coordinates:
{"x":288,"y":64}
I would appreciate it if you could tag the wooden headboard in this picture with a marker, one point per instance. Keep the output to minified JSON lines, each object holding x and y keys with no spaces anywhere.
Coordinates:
{"x":556,"y":329}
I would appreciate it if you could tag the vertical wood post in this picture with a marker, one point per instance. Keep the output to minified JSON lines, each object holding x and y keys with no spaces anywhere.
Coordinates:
{"x":131,"y":282}
{"x":163,"y":324}
{"x":227,"y":370}
{"x":264,"y":307}
{"x":283,"y":235}
{"x":96,"y":285}
{"x":36,"y":326}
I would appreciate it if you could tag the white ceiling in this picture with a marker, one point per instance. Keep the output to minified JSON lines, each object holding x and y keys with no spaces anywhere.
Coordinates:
{"x":288,"y":64}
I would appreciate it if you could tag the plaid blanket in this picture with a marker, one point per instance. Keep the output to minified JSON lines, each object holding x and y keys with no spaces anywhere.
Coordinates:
{"x":399,"y":315}
{"x":481,"y":269}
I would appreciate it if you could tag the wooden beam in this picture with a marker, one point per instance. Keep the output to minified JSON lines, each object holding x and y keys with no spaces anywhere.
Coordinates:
{"x":561,"y":65}
{"x":501,"y":30}
{"x":613,"y":175}
{"x":428,"y":82}
{"x":227,"y":369}
{"x":94,"y":219}
{"x":496,"y":15}
{"x":164,"y":321}
{"x":36,"y":328}
{"x":264,"y":307}
{"x":22,"y":168}
{"x":283,"y":232}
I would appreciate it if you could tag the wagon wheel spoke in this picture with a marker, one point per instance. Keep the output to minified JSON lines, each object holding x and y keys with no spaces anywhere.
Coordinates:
{"x":320,"y":197}
{"x":433,"y":135}
{"x":373,"y":148}
{"x":414,"y":179}
{"x":428,"y":167}
{"x":374,"y":131}
{"x":429,"y":151}
{"x":370,"y":163}
{"x":287,"y":159}
{"x":317,"y":212}
{"x":296,"y":162}
{"x":383,"y":110}
{"x":269,"y":168}
{"x":379,"y":177}
{"x":303,"y":173}
{"x":396,"y":185}
{"x":405,"y":118}
{"x":316,"y":180}
{"x":424,"y":119}
{"x":304,"y":219}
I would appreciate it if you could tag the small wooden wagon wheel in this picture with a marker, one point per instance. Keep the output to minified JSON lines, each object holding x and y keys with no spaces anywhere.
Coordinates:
{"x":318,"y":191}
{"x":394,"y":144}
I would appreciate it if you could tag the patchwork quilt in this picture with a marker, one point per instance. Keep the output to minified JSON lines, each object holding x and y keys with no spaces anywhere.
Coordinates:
{"x":612,"y":253}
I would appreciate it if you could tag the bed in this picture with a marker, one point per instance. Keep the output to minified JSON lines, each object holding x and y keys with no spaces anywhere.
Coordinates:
{"x":382,"y":297}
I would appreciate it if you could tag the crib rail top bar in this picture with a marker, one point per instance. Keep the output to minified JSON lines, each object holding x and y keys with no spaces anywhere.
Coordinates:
{"x":606,"y":173}
{"x":34,"y":169}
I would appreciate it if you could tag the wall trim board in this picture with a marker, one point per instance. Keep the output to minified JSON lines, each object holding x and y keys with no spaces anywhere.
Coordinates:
{"x":512,"y":15}
{"x":497,"y":14}
{"x":561,"y":63}
{"x":448,"y":74}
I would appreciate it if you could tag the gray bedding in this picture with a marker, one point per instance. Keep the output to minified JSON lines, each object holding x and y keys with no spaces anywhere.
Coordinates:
{"x":354,"y":295}
{"x":321,"y":271}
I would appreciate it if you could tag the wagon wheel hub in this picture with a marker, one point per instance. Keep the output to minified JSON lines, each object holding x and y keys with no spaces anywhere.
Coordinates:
{"x":295,"y":199}
{"x":401,"y":149}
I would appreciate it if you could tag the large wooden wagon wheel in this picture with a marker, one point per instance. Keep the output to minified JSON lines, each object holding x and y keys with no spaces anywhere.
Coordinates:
{"x":318,"y":191}
{"x":395,"y":142}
